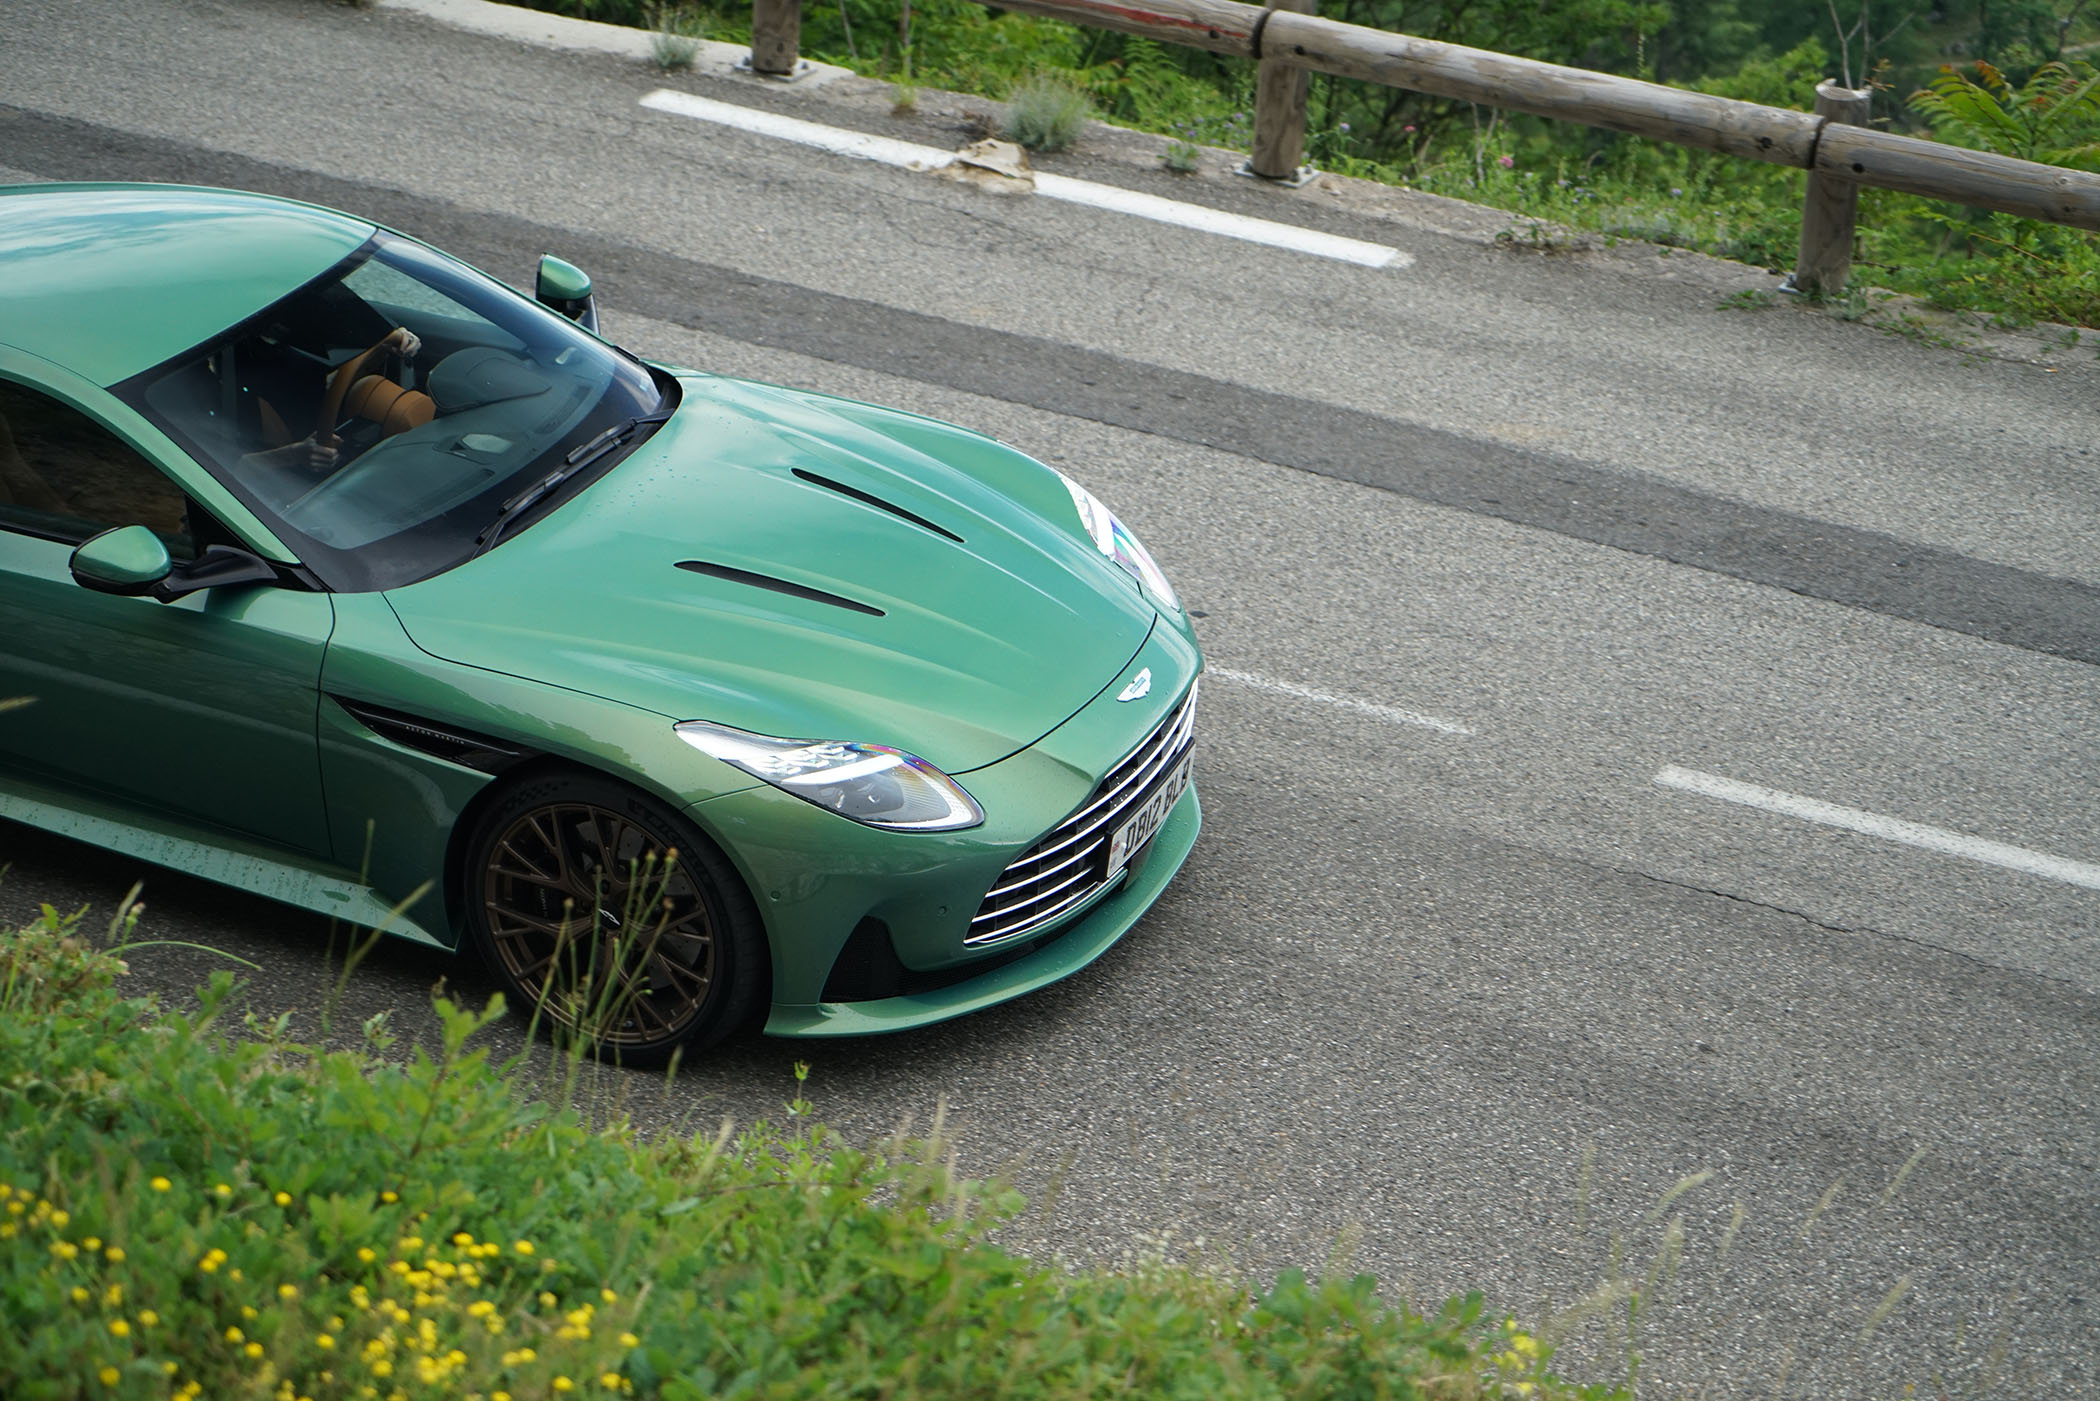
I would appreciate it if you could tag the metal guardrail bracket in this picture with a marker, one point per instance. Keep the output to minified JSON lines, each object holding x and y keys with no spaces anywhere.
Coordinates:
{"x":1304,"y":175}
{"x":803,"y":68}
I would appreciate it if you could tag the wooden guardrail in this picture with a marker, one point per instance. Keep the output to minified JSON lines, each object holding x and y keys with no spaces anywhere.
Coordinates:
{"x":1832,"y":143}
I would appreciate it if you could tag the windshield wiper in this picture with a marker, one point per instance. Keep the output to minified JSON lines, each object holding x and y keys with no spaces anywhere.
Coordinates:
{"x":579,"y":457}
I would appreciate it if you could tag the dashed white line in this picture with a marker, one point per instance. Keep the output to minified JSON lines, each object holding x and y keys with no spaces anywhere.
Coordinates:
{"x":1390,"y":714}
{"x":861,"y":146}
{"x":1872,"y":824}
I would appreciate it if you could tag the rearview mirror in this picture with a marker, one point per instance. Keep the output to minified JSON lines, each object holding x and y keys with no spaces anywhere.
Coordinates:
{"x":567,"y":289}
{"x":127,"y":560}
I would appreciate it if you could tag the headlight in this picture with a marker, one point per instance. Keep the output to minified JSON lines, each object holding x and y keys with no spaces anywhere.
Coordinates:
{"x":870,"y":783}
{"x":1113,"y":538}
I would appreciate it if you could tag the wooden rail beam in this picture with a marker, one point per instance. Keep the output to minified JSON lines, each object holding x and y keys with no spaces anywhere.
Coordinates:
{"x":1221,"y":26}
{"x":1939,"y":171}
{"x":1774,"y":134}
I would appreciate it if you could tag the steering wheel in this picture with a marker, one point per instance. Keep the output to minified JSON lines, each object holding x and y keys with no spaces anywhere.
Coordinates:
{"x":339,"y":381}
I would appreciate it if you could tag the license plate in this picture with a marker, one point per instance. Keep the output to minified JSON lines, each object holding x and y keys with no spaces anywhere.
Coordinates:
{"x":1145,"y":822}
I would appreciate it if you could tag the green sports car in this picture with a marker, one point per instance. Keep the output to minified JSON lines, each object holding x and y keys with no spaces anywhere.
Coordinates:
{"x":337,"y":571}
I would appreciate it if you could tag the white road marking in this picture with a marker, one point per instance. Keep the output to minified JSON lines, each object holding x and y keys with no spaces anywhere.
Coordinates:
{"x":862,"y":146}
{"x":1391,"y":714}
{"x":1892,"y":829}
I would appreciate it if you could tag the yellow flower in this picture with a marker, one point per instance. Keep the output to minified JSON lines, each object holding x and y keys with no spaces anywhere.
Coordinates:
{"x":629,"y":1340}
{"x":222,"y":1191}
{"x":282,"y":1199}
{"x":115,"y":1255}
{"x":523,"y":1247}
{"x":80,"y":1294}
{"x":547,"y":1301}
{"x":499,"y":1396}
{"x":1526,"y":1344}
{"x":118,"y":1328}
{"x":390,"y":1197}
{"x":234,"y":1335}
{"x":160,"y":1184}
{"x":462,"y":1239}
{"x":64,"y":1249}
{"x":564,"y":1384}
{"x":253,"y":1350}
{"x":288,"y":1291}
{"x":608,"y":1296}
{"x":382,"y":1368}
{"x":609,"y":1380}
{"x":148,"y":1318}
{"x":108,"y":1376}
{"x":324,"y":1341}
{"x":60,"y":1220}
{"x":248,"y":1312}
{"x":366,"y":1255}
{"x":91,"y":1242}
{"x":480,"y":1308}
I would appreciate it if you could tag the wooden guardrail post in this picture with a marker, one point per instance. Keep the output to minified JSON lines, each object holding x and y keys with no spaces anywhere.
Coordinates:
{"x":776,"y":39}
{"x":1832,"y":205}
{"x":1280,"y":91}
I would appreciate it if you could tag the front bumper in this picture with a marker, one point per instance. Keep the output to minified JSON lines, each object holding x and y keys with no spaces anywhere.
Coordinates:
{"x":871,"y":930}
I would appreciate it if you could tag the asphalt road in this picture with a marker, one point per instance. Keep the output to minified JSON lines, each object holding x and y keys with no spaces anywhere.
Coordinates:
{"x":1460,"y":1003}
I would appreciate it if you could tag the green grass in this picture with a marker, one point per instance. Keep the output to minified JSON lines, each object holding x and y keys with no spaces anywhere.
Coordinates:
{"x":197,"y":1204}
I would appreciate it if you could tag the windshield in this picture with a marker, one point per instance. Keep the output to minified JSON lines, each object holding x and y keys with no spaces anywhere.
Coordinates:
{"x":379,"y":418}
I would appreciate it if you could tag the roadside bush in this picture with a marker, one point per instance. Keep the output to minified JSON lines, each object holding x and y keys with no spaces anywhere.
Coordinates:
{"x":1046,"y":114}
{"x":194,"y":1207}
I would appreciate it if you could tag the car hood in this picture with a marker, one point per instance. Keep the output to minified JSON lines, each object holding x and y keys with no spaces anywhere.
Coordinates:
{"x":807,"y":567}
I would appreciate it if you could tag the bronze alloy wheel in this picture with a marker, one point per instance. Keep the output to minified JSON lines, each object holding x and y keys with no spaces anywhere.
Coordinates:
{"x":596,"y":906}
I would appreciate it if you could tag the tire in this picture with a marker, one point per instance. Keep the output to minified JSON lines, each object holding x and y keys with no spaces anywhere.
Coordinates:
{"x":613,"y":917}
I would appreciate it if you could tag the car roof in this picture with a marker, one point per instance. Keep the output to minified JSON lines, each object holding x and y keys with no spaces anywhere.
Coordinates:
{"x":107,"y":280}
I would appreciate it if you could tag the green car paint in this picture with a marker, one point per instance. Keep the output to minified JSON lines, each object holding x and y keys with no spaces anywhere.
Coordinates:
{"x":770,"y":560}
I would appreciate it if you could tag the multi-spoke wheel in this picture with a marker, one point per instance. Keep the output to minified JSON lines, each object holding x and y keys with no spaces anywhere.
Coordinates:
{"x":606,"y":910}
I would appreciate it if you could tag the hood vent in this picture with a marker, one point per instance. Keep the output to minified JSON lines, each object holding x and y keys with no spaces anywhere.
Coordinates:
{"x":767,"y":581}
{"x":877,"y":502}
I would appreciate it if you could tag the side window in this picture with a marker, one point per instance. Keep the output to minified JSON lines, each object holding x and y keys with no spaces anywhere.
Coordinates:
{"x":65,"y":476}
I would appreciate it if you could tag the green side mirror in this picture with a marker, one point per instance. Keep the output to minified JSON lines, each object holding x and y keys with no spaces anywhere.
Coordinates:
{"x":127,"y":560}
{"x":567,"y":289}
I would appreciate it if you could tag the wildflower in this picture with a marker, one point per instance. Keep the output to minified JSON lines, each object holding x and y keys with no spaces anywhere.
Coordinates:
{"x":108,"y":1376}
{"x":1676,"y":192}
{"x":222,"y":1191}
{"x":629,"y":1340}
{"x":1507,"y":162}
{"x":1345,"y":126}
{"x":609,"y":1380}
{"x":282,"y":1199}
{"x":608,"y":1296}
{"x":147,"y":1318}
{"x":60,"y":1220}
{"x":118,"y":1328}
{"x":523,"y":1247}
{"x":253,"y":1350}
{"x":234,"y":1335}
{"x":390,"y":1197}
{"x":564,"y":1384}
{"x":113,"y":1296}
{"x":80,"y":1294}
{"x":91,"y":1242}
{"x":115,"y":1255}
{"x":1407,"y":131}
{"x":287,"y":1292}
{"x":462,"y":1239}
{"x":160,"y":1184}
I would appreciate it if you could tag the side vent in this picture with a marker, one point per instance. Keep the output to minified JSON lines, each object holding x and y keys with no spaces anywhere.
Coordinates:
{"x":878,"y":503}
{"x":767,"y":581}
{"x":462,"y":747}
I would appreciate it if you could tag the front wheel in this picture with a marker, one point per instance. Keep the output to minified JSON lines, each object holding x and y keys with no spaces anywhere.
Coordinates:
{"x":614,"y":917}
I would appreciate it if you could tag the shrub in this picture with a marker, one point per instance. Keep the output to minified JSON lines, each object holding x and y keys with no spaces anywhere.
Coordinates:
{"x":1046,"y":114}
{"x":190,"y":1207}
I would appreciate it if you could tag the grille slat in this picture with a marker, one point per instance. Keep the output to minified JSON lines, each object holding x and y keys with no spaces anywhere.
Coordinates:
{"x":1036,"y":889}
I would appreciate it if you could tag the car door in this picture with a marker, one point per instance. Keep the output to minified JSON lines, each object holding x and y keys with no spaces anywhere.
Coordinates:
{"x":203,"y":709}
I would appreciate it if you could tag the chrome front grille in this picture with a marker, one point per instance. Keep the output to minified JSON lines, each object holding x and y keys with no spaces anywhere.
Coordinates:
{"x":1070,"y":865}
